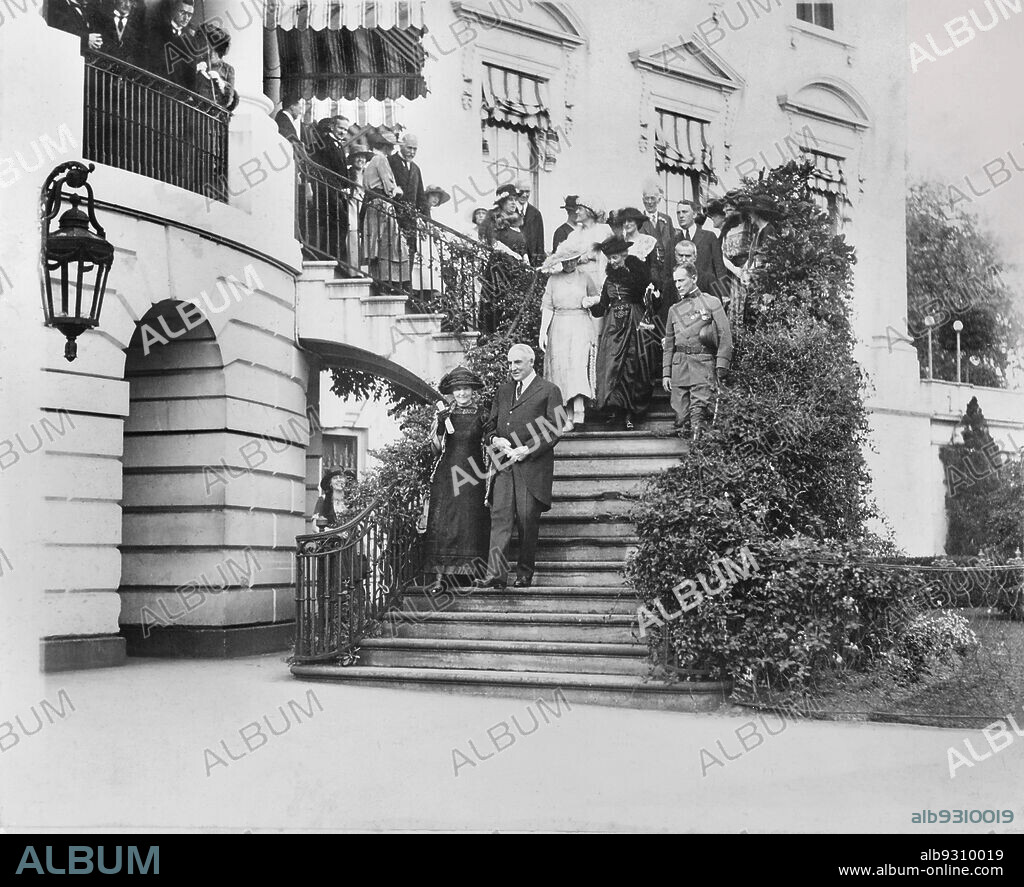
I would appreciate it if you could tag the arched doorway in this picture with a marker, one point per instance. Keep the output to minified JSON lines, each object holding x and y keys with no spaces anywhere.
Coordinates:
{"x":175,"y":550}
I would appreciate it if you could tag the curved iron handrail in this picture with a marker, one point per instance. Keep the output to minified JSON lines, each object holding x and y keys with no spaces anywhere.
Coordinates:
{"x":349,"y":578}
{"x":149,"y":79}
{"x":143,"y":123}
{"x":440,"y":269}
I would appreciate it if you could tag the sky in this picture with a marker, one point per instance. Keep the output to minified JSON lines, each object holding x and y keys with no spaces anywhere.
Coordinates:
{"x":965,"y":111}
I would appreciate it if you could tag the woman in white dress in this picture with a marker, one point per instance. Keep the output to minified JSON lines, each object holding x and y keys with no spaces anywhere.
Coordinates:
{"x":567,"y":335}
{"x":590,"y":232}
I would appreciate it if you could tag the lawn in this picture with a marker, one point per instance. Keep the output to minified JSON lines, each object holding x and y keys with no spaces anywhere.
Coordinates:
{"x":987,"y":686}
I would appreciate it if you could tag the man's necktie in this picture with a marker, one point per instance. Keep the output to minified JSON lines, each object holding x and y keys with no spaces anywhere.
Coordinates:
{"x":519,"y":392}
{"x":121,"y":19}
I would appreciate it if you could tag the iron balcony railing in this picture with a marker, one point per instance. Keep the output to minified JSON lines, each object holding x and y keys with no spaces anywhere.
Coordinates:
{"x":347,"y":579}
{"x":137,"y":121}
{"x":403,"y":251}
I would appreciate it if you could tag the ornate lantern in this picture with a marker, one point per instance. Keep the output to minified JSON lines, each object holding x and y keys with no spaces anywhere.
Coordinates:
{"x":76,"y":261}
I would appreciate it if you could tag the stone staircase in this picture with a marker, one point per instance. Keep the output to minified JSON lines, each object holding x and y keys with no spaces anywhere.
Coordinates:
{"x":349,"y":311}
{"x":575,"y":630}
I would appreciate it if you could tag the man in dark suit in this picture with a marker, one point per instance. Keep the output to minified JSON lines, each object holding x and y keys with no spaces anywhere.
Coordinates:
{"x":122,"y":28}
{"x":533,"y":225}
{"x":77,"y":17}
{"x":710,"y":265}
{"x":407,"y":173}
{"x":176,"y":49}
{"x":564,"y":230}
{"x":524,"y":426}
{"x":289,"y":123}
{"x":409,"y":178}
{"x":659,"y":226}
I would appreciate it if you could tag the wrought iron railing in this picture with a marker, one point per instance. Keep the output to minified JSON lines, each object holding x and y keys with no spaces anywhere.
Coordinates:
{"x":404,"y":252}
{"x":137,"y":121}
{"x":347,"y":579}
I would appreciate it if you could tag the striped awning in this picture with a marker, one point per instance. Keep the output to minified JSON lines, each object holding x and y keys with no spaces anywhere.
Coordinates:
{"x":515,"y":99}
{"x":681,"y":145}
{"x":361,"y":64}
{"x":335,"y":15}
{"x":828,"y":176}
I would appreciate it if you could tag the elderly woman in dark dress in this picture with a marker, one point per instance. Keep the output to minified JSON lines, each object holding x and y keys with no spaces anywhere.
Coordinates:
{"x":623,"y":363}
{"x":458,"y":524}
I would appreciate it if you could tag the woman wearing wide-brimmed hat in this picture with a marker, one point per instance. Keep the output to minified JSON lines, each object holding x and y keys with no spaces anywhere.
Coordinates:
{"x":567,"y":335}
{"x":384,"y":246}
{"x":591,"y":231}
{"x":332,"y":508}
{"x":623,"y":366}
{"x":458,"y":522}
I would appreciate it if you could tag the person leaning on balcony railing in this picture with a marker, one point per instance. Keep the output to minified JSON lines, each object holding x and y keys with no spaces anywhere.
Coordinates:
{"x":217,"y":77}
{"x":76,"y":17}
{"x":122,"y":29}
{"x":176,"y":49}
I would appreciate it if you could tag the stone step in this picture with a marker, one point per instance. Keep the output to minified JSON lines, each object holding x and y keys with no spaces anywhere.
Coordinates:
{"x":594,"y":487}
{"x":618,"y":690}
{"x":616,"y":507}
{"x":614,"y":526}
{"x":587,"y":465}
{"x":529,"y":626}
{"x":579,"y":573}
{"x":608,"y":444}
{"x":505,"y":655}
{"x":617,"y":601}
{"x":582,"y":549}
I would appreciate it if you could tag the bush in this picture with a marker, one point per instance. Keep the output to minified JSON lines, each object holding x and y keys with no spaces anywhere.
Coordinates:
{"x":804,"y":613}
{"x":932,"y":645}
{"x":783,"y":473}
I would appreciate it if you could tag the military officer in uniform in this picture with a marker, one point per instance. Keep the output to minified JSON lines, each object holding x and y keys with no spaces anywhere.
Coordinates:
{"x":697,"y":352}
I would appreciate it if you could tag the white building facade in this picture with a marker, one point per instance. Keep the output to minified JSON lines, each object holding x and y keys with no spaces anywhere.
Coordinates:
{"x":161,"y":517}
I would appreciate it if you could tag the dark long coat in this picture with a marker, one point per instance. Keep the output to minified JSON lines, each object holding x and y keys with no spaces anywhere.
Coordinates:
{"x":536,"y":421}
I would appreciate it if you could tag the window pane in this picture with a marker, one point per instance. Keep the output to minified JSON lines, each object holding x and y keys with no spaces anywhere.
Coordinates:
{"x":340,"y":451}
{"x":824,"y":15}
{"x":805,"y":12}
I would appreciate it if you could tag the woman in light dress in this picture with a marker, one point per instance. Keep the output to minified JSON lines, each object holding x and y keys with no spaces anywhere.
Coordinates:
{"x":384,"y":246}
{"x":590,"y":232}
{"x":567,"y":334}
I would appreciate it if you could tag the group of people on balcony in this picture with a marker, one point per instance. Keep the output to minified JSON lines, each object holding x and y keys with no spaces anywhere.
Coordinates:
{"x":162,"y":40}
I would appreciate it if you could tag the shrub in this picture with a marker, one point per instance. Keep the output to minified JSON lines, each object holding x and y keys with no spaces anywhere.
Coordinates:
{"x":932,"y":644}
{"x":803,"y":613}
{"x":783,"y":473}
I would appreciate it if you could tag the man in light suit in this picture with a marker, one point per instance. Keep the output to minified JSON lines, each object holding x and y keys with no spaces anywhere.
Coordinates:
{"x":521,"y":433}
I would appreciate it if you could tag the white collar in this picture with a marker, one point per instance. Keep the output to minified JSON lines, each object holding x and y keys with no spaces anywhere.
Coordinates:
{"x":528,"y":381}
